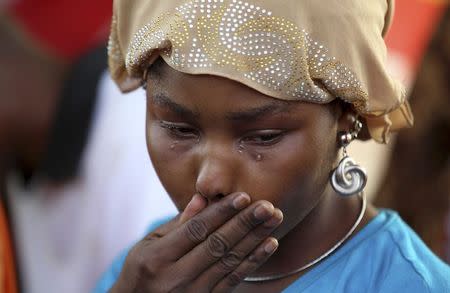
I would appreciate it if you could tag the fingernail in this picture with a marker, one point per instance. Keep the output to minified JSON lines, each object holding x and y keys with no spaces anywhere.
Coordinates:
{"x":271,"y":246}
{"x":263,"y":211}
{"x":196,"y":204}
{"x":241,"y":201}
{"x":276,"y":219}
{"x":195,"y":199}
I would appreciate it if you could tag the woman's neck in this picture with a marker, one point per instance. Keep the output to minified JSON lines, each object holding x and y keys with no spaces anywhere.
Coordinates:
{"x":321,"y":229}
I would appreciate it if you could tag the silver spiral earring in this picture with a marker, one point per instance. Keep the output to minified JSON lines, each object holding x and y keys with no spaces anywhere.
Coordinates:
{"x":348,"y":178}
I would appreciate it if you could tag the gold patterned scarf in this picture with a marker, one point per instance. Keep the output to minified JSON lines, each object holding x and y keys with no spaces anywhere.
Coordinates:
{"x":305,"y":50}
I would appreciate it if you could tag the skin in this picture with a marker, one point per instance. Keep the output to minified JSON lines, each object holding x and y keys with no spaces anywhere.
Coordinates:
{"x":213,"y":137}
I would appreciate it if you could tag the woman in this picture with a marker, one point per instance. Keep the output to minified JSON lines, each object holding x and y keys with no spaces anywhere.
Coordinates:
{"x":248,"y":105}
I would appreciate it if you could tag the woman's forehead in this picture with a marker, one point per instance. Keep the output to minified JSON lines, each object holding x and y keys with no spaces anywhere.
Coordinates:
{"x":196,"y":95}
{"x":167,"y":79}
{"x":168,"y":84}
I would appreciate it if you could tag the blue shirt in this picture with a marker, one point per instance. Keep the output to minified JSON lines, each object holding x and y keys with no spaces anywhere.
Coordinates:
{"x":385,"y":256}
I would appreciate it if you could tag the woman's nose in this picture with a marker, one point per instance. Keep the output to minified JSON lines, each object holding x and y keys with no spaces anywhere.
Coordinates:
{"x":216,"y":175}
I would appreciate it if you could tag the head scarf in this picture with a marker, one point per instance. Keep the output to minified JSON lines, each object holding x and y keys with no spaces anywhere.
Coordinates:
{"x":309,"y":50}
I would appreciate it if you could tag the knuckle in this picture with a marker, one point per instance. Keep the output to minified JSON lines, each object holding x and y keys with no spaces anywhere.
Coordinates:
{"x":234,"y":278}
{"x":144,"y":270}
{"x":196,"y":230}
{"x":146,"y":264}
{"x":230,"y":261}
{"x":217,"y":245}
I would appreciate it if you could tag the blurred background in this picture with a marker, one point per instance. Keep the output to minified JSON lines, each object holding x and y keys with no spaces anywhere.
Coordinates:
{"x":76,"y":183}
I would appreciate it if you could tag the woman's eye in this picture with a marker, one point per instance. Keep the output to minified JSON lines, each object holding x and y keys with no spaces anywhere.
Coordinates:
{"x":264,"y":137}
{"x":180,"y":130}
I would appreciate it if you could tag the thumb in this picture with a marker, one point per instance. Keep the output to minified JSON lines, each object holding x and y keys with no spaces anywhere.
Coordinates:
{"x":196,"y":205}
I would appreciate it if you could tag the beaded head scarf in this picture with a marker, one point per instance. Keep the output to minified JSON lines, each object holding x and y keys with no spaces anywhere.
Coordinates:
{"x":305,"y":50}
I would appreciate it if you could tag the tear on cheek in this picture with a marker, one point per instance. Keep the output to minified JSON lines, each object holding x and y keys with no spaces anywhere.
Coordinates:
{"x":158,"y":147}
{"x":242,"y":150}
{"x":174,"y":145}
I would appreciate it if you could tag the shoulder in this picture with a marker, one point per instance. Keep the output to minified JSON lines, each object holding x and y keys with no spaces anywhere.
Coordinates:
{"x":385,"y":256}
{"x":112,"y":273}
{"x":409,"y":262}
{"x":397,"y":259}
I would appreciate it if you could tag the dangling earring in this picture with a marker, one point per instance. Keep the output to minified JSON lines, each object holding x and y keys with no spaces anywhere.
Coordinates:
{"x":348,"y":178}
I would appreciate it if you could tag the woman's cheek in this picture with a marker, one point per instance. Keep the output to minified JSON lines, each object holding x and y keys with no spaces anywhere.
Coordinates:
{"x":171,"y":166}
{"x":289,"y":175}
{"x":157,"y":142}
{"x":165,"y":147}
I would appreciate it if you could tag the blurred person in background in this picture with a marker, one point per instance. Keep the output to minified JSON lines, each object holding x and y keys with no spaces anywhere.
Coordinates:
{"x":75,"y":180}
{"x":417,"y":182}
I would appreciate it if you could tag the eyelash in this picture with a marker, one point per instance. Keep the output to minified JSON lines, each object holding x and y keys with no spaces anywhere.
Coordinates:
{"x":257,"y":138}
{"x":180,"y":131}
{"x":264,"y":137}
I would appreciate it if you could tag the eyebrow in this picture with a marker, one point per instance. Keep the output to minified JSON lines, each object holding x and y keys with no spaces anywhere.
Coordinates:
{"x":163,"y":100}
{"x":274,"y":107}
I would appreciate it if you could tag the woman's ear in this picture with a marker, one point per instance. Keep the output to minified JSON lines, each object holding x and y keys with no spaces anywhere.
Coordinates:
{"x":346,"y":120}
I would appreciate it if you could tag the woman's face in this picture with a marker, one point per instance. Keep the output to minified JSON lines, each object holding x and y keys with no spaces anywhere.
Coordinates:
{"x":214,"y":136}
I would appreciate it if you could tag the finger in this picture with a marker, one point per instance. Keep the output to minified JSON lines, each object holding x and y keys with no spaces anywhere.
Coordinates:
{"x":248,"y":266}
{"x":239,"y":252}
{"x":197,"y":204}
{"x":223,"y":239}
{"x":182,"y":239}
